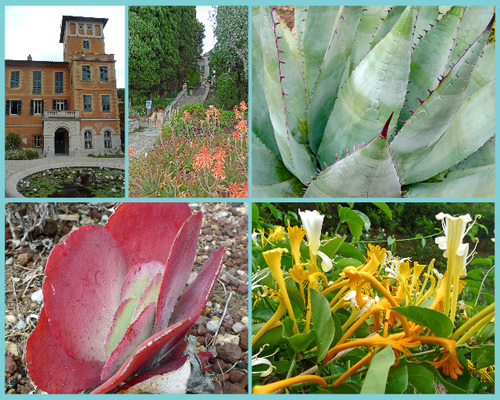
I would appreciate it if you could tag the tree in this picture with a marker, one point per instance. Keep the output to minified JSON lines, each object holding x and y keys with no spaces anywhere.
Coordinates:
{"x":229,"y":57}
{"x":164,"y":44}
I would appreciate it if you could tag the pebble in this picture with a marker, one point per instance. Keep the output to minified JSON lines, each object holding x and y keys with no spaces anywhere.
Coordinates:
{"x":233,"y":339}
{"x":10,"y":365}
{"x":37,"y":296}
{"x":238,"y":327}
{"x":222,"y":214}
{"x":244,"y":320}
{"x":20,"y":325}
{"x":229,"y":352}
{"x":11,"y":348}
{"x":212,"y":325}
{"x":10,"y":261}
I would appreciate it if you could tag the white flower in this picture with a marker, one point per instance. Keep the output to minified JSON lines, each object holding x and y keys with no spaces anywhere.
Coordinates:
{"x":326,"y":262}
{"x":351,"y":297}
{"x":455,"y":230}
{"x":312,"y":222}
{"x":254,"y":238}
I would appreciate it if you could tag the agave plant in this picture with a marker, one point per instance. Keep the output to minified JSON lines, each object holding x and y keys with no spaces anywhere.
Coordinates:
{"x":324,"y":92}
{"x":116,"y":303}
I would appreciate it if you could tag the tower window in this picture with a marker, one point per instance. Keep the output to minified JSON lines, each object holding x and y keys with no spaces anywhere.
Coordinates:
{"x":86,"y":44}
{"x":104,"y":74}
{"x":86,"y":73}
{"x":106,"y":107}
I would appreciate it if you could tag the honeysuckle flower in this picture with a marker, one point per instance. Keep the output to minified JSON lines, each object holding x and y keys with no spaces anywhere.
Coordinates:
{"x":277,"y":235}
{"x":351,"y":297}
{"x":295,"y":236}
{"x":449,"y":363}
{"x":273,"y":387}
{"x":273,"y":260}
{"x":116,"y":300}
{"x":312,"y":222}
{"x":274,"y":320}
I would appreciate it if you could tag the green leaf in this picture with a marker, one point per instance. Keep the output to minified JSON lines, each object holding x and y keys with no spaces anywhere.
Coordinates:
{"x":323,"y":325}
{"x":350,"y":250}
{"x":366,"y":221}
{"x":369,"y":172}
{"x":347,"y":262}
{"x":353,"y":220}
{"x":436,"y":321}
{"x":450,"y":387}
{"x":385,"y":208}
{"x":376,"y":377}
{"x":375,"y":90}
{"x":273,"y":337}
{"x":483,"y":356}
{"x":397,"y":381}
{"x":331,"y":247}
{"x":299,"y":341}
{"x":488,"y":332}
{"x":421,"y":379}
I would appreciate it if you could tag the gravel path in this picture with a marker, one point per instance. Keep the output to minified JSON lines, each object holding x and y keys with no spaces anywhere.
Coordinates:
{"x":18,"y":169}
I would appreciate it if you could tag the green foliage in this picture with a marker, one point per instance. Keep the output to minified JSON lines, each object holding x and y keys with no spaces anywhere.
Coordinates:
{"x":164,"y":44}
{"x":31,"y":154}
{"x":13,"y":141}
{"x":229,"y":57}
{"x":374,"y":102}
{"x":15,"y":155}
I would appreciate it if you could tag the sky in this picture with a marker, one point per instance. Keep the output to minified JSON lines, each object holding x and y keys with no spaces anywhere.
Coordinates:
{"x":37,"y":29}
{"x":202,"y":16}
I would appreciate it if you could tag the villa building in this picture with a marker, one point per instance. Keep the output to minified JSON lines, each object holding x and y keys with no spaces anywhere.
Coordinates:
{"x":66,"y":107}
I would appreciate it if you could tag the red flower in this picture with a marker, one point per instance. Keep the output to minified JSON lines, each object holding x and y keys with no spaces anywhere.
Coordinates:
{"x":115,"y":299}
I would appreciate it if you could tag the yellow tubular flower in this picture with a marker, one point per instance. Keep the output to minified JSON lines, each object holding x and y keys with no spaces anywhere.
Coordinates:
{"x":273,"y":260}
{"x":272,"y":321}
{"x":278,"y":234}
{"x":449,"y":363}
{"x":295,"y":236}
{"x":273,"y":387}
{"x":299,"y":275}
{"x":351,"y":371}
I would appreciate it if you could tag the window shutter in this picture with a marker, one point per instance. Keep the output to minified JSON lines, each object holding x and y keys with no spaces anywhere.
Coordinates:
{"x":54,"y":105}
{"x":31,"y":106}
{"x":19,"y":107}
{"x":43,"y":106}
{"x":7,"y":107}
{"x":65,"y":104}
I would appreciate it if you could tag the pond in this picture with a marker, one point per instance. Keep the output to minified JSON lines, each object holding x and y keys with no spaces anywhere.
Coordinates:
{"x":74,"y":182}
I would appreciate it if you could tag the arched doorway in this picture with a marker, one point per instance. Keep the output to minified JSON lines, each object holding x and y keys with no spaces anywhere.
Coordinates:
{"x":61,"y":141}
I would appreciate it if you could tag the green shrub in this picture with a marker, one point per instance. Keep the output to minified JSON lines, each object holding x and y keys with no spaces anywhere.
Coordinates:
{"x":15,"y":155}
{"x":13,"y":141}
{"x":31,"y":154}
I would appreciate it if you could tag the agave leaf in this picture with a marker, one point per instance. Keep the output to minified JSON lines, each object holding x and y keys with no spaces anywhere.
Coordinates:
{"x":375,"y":89}
{"x":473,"y":182}
{"x":427,"y":16}
{"x":300,"y":25}
{"x":74,"y":375}
{"x":262,"y":126}
{"x":319,"y":31}
{"x":369,"y":172}
{"x":432,"y":119}
{"x":483,"y":157}
{"x":177,"y":270}
{"x":270,"y":176}
{"x":387,"y":24}
{"x":465,"y":135}
{"x":91,"y":260}
{"x":474,"y":19}
{"x":139,"y":331}
{"x":485,"y":69}
{"x":295,"y":155}
{"x":430,"y":59}
{"x":370,"y":21}
{"x":332,"y":73}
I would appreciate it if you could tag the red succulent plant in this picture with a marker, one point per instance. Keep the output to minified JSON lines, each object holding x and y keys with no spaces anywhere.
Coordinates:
{"x":116,"y":302}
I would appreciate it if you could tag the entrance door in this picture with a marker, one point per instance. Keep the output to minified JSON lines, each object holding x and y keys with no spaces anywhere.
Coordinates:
{"x":61,"y":144}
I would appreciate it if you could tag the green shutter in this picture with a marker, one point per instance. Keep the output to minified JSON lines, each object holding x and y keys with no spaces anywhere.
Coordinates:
{"x":7,"y":107}
{"x":54,"y":105}
{"x":43,"y":106}
{"x":19,"y":102}
{"x":31,"y":106}
{"x":65,"y":104}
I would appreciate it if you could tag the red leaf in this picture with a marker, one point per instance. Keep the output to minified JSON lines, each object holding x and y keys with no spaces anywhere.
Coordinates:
{"x":179,"y":267}
{"x":146,"y":350}
{"x":146,"y":231}
{"x":51,"y":369}
{"x":84,"y":275}
{"x":193,"y":299}
{"x":139,"y":277}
